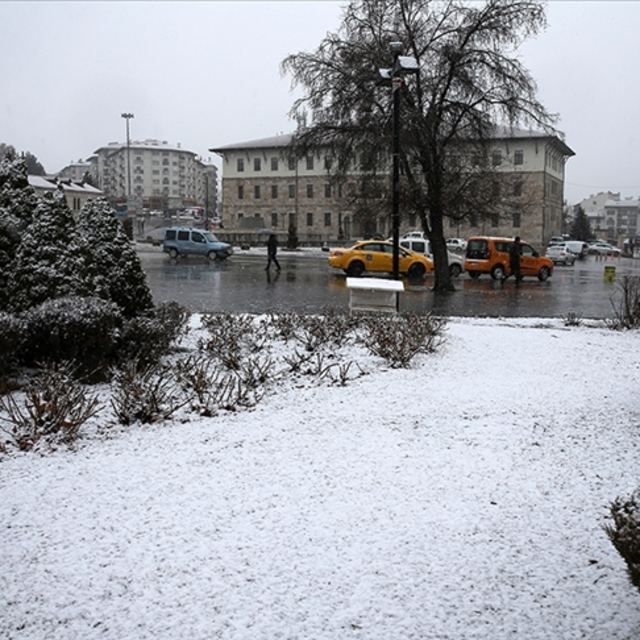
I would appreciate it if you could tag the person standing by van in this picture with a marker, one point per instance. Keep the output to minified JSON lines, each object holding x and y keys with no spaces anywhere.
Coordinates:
{"x":272,"y":250}
{"x":514,"y":259}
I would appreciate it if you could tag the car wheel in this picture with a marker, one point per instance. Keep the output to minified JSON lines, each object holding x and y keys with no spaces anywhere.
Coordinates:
{"x":212,"y":255}
{"x":498,"y":273}
{"x":173,"y":253}
{"x":474,"y":275}
{"x":543,"y":274}
{"x":417,"y":270}
{"x":455,"y":270}
{"x":356,"y":268}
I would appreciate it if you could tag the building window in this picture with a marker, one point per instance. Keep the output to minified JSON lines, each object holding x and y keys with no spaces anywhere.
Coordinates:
{"x":309,"y":191}
{"x":292,"y":219}
{"x":257,"y":164}
{"x":309,"y":219}
{"x":351,"y":189}
{"x":256,"y":191}
{"x":240,"y":165}
{"x":292,"y":164}
{"x":274,"y":190}
{"x":240,"y":192}
{"x":516,"y":219}
{"x":496,"y":189}
{"x":327,"y":219}
{"x":274,"y":219}
{"x":310,"y":163}
{"x":327,"y":190}
{"x":274,"y":164}
{"x":518,"y":156}
{"x":517,"y":189}
{"x":292,"y":190}
{"x":495,"y":220}
{"x":328,"y":162}
{"x":496,"y":157}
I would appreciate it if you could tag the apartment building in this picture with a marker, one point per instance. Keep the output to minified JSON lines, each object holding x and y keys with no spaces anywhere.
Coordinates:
{"x":160,"y":175}
{"x":620,"y":220}
{"x":264,"y":186}
{"x":76,"y":171}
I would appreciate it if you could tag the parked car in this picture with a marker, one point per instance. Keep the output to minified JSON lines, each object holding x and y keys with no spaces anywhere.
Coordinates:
{"x":456,"y":244}
{"x":560,"y":254}
{"x":490,"y":255}
{"x":377,"y":256}
{"x":557,"y":240}
{"x":422,"y":245}
{"x":603,"y":248}
{"x":183,"y":241}
{"x":578,"y":247}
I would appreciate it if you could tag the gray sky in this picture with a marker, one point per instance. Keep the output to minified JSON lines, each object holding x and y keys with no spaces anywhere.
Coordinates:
{"x":206,"y":74}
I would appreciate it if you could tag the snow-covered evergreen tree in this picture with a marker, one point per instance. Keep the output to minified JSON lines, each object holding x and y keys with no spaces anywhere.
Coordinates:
{"x":122,"y":278}
{"x":51,"y":261}
{"x":18,"y":201}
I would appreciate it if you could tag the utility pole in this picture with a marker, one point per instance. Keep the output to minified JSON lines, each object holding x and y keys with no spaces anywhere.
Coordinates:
{"x":127,"y":117}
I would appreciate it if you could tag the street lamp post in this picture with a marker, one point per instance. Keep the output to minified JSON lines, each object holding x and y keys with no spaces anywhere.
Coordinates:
{"x":127,"y":117}
{"x":402,"y":65}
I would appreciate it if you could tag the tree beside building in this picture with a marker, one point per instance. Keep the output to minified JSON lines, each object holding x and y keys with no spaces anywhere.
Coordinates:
{"x":470,"y":90}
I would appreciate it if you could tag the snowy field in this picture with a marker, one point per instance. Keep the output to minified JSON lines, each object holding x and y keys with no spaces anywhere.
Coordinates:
{"x":461,"y":498}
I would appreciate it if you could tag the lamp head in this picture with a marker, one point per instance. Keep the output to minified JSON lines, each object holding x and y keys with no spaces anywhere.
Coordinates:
{"x":395,"y":48}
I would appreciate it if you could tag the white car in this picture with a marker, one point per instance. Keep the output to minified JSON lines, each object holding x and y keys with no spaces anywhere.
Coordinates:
{"x":603,"y":248}
{"x":560,"y":254}
{"x":457,"y":244}
{"x":420,"y":244}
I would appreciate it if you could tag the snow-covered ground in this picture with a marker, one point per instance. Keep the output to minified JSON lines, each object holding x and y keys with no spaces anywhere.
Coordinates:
{"x":461,"y":498}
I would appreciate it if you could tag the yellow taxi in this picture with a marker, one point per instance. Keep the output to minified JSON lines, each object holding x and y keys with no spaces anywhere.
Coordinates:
{"x":377,"y":256}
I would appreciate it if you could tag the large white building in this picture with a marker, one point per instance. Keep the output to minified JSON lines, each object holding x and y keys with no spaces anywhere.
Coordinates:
{"x":263,"y":186}
{"x":160,"y":175}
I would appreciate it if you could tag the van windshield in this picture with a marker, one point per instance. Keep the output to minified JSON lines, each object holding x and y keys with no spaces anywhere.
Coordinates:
{"x":210,"y":237}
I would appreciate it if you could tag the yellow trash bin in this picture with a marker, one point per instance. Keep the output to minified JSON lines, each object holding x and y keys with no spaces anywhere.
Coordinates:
{"x":609,"y":274}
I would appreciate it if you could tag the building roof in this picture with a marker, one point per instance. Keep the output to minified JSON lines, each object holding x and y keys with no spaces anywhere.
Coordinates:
{"x":502,"y":133}
{"x":274,"y":142}
{"x":42,"y":182}
{"x":163,"y":145}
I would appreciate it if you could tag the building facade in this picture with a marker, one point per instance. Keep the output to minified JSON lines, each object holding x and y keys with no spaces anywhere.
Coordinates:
{"x":263,"y":186}
{"x":161,"y":176}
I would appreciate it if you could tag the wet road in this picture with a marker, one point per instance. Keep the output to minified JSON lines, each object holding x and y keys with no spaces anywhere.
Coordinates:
{"x":307,"y":284}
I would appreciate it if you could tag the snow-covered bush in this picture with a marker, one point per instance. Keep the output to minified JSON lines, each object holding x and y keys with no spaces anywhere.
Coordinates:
{"x":212,"y":389}
{"x":625,"y":533}
{"x":53,"y":406}
{"x":84,"y":331}
{"x":121,"y":277}
{"x":146,"y":393}
{"x":398,"y":339}
{"x":51,"y":261}
{"x":146,"y":338}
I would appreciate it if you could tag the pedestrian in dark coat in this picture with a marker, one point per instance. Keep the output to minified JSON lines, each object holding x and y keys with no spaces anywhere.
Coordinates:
{"x":272,"y":250}
{"x":514,"y":259}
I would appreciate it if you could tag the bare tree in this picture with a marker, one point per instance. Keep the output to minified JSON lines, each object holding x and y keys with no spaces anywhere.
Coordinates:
{"x":470,"y":86}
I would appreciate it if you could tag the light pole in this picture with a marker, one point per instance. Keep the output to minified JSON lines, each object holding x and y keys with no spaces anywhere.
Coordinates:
{"x":127,"y":117}
{"x":402,"y":65}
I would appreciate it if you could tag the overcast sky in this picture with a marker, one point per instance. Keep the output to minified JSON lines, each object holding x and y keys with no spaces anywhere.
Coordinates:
{"x":206,"y":74}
